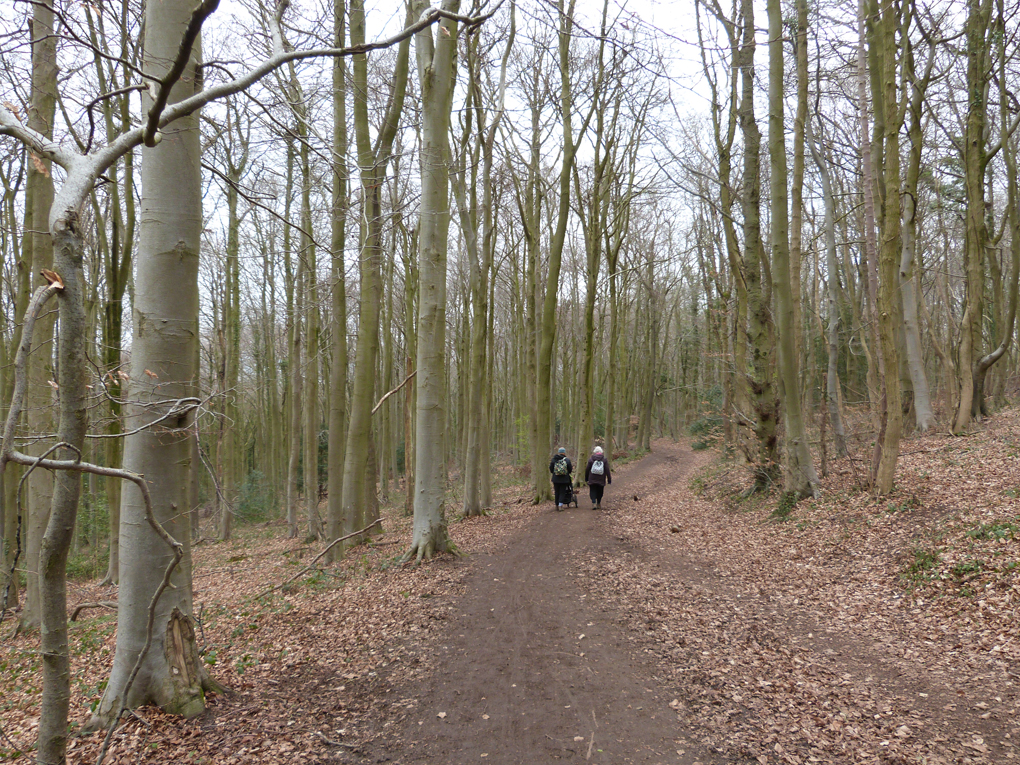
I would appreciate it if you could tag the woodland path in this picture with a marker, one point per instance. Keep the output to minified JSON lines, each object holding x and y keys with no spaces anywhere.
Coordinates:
{"x":674,"y":627}
{"x":533,"y":669}
{"x":539,"y":665}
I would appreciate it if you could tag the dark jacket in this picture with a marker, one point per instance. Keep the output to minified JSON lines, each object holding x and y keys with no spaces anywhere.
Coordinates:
{"x":594,"y":478}
{"x":570,"y":469}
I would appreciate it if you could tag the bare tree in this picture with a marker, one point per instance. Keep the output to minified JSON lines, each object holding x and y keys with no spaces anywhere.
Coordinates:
{"x":437,"y":75}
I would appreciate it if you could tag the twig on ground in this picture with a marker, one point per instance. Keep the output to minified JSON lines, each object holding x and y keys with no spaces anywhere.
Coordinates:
{"x":315,"y":560}
{"x":110,"y":604}
{"x":331,"y":742}
{"x":17,"y":749}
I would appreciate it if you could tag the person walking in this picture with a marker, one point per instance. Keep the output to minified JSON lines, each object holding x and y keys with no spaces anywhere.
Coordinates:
{"x":561,"y":467}
{"x":597,"y":475}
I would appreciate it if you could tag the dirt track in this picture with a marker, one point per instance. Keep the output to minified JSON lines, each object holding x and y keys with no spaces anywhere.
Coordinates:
{"x":543,"y":661}
{"x":533,"y":670}
{"x":711,"y":633}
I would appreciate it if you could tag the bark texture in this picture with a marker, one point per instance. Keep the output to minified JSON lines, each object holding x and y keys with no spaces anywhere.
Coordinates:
{"x":437,"y":73}
{"x":165,"y":331}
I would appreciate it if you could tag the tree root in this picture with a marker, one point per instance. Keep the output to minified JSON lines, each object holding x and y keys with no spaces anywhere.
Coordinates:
{"x":426,"y":550}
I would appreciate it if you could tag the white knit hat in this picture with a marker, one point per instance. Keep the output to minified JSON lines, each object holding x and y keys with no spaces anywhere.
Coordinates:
{"x":598,"y":450}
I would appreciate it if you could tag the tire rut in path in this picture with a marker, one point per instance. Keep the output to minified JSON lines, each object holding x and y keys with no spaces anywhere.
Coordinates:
{"x":531,"y":670}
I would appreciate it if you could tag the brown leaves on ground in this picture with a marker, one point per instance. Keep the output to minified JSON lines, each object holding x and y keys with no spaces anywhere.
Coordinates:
{"x":856,"y":630}
{"x":305,"y":667}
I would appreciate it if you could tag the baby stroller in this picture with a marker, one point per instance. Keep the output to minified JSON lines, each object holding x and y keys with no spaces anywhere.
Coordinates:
{"x":573,"y":496}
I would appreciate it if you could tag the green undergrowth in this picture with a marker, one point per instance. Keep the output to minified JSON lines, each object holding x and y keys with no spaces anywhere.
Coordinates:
{"x":922,"y":567}
{"x":996,"y":530}
{"x":785,"y":506}
{"x":88,"y":563}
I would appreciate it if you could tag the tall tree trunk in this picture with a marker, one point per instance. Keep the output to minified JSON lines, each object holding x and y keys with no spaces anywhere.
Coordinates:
{"x":8,"y":485}
{"x":547,"y":335}
{"x":232,"y":351}
{"x":889,"y":314}
{"x":531,"y":219}
{"x":117,"y":273}
{"x":195,"y":466}
{"x":876,"y":362}
{"x":797,"y":190}
{"x":38,"y":254}
{"x":759,"y":316}
{"x":359,"y":491}
{"x":56,"y":542}
{"x":1008,"y":145}
{"x":310,"y":392}
{"x":739,"y":403}
{"x":479,"y":243}
{"x":832,"y":389}
{"x":975,"y":160}
{"x":165,"y":329}
{"x":909,"y":281}
{"x":10,"y":327}
{"x":437,"y":73}
{"x":411,"y":351}
{"x":338,"y":329}
{"x":290,"y":449}
{"x":800,"y":478}
{"x":294,"y":399}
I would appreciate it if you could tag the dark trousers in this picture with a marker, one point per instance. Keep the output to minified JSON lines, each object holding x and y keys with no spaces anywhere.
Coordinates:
{"x":596,"y":490}
{"x":563,"y":493}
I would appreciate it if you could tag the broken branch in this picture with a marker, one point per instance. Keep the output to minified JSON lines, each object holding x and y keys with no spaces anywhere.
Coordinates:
{"x":315,"y":560}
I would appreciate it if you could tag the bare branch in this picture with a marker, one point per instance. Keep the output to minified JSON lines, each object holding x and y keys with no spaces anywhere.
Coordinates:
{"x":316,"y":559}
{"x":108,"y":604}
{"x":180,"y":407}
{"x":198,"y":17}
{"x":35,"y":141}
{"x":97,"y":163}
{"x":383,"y":399}
{"x":98,"y":99}
{"x":39,"y":298}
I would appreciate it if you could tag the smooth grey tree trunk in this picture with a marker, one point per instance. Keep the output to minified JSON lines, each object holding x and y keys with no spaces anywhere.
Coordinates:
{"x":292,"y":336}
{"x":360,"y":505}
{"x":479,"y":242}
{"x":338,"y":242}
{"x":437,"y":73}
{"x":165,"y":330}
{"x":294,"y":409}
{"x":56,"y":541}
{"x":909,"y":281}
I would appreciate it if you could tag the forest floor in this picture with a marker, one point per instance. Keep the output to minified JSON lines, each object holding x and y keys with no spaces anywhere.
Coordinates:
{"x":680,"y":624}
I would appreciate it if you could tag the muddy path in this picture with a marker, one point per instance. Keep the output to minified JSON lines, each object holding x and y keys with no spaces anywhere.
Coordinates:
{"x":550,"y":656}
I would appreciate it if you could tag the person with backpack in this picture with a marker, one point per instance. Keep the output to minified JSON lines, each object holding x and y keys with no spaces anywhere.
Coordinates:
{"x":597,"y":475}
{"x":561,"y":467}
